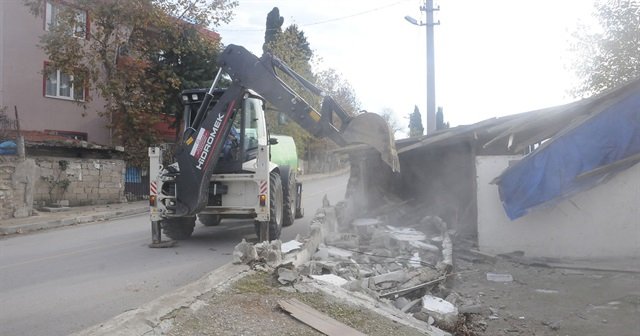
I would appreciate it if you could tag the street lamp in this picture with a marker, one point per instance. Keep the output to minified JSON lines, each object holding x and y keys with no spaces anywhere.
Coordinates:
{"x":431,"y":89}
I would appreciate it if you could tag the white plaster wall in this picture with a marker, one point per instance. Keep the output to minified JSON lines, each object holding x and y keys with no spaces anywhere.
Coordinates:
{"x":603,"y":222}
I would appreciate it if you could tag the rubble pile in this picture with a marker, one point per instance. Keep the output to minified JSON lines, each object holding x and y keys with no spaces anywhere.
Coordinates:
{"x":403,"y":264}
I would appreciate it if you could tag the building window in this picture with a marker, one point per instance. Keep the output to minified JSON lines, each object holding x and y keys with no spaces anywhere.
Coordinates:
{"x":55,"y":14}
{"x":60,"y":85}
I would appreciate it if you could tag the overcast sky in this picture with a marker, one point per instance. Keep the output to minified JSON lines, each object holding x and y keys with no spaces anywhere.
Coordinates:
{"x":492,"y":58}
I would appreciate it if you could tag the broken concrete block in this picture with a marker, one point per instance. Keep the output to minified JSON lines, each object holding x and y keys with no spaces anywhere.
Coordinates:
{"x":291,"y":245}
{"x":365,"y":227}
{"x":244,"y":253}
{"x":336,"y":252}
{"x":286,"y":276}
{"x":330,"y":279}
{"x":397,"y":276}
{"x":434,"y":223}
{"x":499,"y":277}
{"x":343,"y":240}
{"x":425,"y":246}
{"x":419,"y":277}
{"x":422,"y":316}
{"x":401,"y":302}
{"x":453,"y":298}
{"x":330,"y":219}
{"x":323,"y":267}
{"x":415,"y":260}
{"x":357,"y":285}
{"x":442,"y":311}
{"x":271,"y":252}
{"x":411,"y":305}
{"x":321,"y":254}
{"x":474,"y":309}
{"x":380,"y":238}
{"x":405,"y":234}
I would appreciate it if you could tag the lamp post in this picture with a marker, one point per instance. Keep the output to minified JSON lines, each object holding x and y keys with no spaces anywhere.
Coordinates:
{"x":431,"y":89}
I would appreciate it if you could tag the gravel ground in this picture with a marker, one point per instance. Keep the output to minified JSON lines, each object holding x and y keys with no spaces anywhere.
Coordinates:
{"x":549,"y":301}
{"x":250,"y":307}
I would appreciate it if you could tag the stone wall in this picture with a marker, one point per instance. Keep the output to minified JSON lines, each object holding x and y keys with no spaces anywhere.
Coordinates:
{"x":90,"y":181}
{"x":17,"y":177}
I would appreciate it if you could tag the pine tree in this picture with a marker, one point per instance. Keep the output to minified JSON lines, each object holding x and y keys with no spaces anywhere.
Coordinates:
{"x":415,"y":123}
{"x":273,"y":29}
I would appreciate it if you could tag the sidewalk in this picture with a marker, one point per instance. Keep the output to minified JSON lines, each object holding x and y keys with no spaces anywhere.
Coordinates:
{"x":42,"y":220}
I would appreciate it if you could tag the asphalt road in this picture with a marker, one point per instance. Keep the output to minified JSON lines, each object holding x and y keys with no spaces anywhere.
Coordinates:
{"x":61,"y":281}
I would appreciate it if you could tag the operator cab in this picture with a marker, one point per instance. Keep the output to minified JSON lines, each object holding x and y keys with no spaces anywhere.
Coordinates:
{"x":248,"y":128}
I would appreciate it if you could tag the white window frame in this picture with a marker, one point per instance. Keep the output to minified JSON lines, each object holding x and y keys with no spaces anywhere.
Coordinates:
{"x":51,"y":10}
{"x":58,"y":76}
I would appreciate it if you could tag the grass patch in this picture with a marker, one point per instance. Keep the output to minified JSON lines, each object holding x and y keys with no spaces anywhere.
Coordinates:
{"x":258,"y":283}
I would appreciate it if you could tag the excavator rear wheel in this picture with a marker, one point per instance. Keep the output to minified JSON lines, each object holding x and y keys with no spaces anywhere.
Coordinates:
{"x":275,"y":207}
{"x":178,"y":228}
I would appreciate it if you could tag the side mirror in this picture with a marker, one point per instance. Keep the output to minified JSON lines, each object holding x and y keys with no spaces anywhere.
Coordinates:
{"x":273,"y":141}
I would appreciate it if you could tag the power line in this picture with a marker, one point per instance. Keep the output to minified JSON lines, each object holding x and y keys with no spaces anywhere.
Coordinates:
{"x":329,"y":20}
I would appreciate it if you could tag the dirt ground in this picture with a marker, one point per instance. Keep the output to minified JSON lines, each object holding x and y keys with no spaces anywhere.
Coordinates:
{"x":250,"y":307}
{"x":549,"y":301}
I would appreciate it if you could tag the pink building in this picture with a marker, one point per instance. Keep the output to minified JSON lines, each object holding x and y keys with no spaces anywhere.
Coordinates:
{"x":44,"y":103}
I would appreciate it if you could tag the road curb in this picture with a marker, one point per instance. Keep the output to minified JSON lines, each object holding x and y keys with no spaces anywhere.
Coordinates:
{"x":148,"y":318}
{"x":71,"y":220}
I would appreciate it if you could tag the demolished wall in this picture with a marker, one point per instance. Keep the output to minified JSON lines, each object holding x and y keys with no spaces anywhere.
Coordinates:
{"x":442,"y":180}
{"x":597,"y":223}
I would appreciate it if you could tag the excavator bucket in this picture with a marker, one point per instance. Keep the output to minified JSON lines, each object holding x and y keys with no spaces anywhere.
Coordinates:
{"x":371,"y":129}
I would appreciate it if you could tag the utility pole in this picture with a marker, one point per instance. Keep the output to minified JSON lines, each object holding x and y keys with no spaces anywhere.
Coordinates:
{"x":431,"y":86}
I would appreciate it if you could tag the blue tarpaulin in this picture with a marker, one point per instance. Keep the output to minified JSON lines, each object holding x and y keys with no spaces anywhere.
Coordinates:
{"x":8,"y":147}
{"x":550,"y":173}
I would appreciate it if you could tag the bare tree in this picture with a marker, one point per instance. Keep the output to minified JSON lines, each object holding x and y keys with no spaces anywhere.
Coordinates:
{"x":389,"y":116}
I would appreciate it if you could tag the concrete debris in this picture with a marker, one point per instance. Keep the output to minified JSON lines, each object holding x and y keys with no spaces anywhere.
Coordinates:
{"x":499,"y":277}
{"x":401,"y":302}
{"x":405,"y":234}
{"x":444,"y":312}
{"x":474,"y":309}
{"x":270,"y":252}
{"x":415,"y":260}
{"x":291,"y":245}
{"x":244,"y":253}
{"x":330,"y":279}
{"x":286,"y":276}
{"x":425,"y":246}
{"x":394,"y":277}
{"x":547,"y":291}
{"x":399,"y":265}
{"x":365,"y":227}
{"x":554,"y":325}
{"x":343,"y":240}
{"x":411,"y":305}
{"x":336,"y":252}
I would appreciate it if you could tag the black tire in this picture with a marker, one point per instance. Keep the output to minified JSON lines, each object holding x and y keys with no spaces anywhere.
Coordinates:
{"x":178,"y":228}
{"x":289,"y":195}
{"x":275,"y":207}
{"x":209,"y":219}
